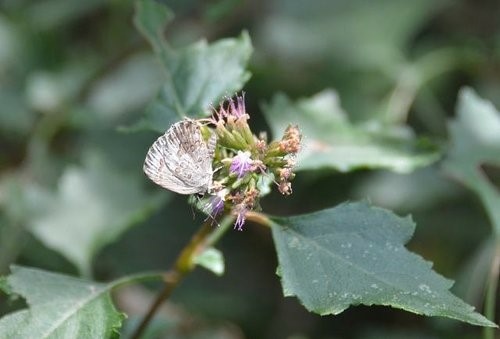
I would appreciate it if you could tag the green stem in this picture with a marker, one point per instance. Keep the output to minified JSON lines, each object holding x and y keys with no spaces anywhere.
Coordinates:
{"x":44,"y":133}
{"x":403,"y":95}
{"x":204,"y":238}
{"x":258,"y":218}
{"x":136,"y":278}
{"x":413,"y":76}
{"x":491,"y":291}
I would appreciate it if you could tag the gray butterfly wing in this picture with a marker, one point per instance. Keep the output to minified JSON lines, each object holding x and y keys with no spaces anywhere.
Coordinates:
{"x":180,"y":160}
{"x":189,"y":155}
{"x":156,"y":169}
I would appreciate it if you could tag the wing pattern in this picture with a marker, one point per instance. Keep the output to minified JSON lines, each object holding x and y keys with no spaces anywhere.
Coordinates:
{"x":180,"y":160}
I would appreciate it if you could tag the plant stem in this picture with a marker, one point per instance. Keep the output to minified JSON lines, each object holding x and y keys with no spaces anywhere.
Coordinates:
{"x":491,"y":291}
{"x":258,"y":218}
{"x":171,"y":280}
{"x":204,"y":238}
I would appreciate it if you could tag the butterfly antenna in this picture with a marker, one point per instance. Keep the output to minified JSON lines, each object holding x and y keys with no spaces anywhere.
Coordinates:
{"x":214,"y":220}
{"x":217,"y":169}
{"x":268,"y":175}
{"x":206,"y":209}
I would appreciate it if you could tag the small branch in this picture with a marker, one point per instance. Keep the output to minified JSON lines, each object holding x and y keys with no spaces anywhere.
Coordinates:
{"x":258,"y":218}
{"x":205,"y":237}
{"x":403,"y":95}
{"x":171,"y":279}
{"x":412,"y":77}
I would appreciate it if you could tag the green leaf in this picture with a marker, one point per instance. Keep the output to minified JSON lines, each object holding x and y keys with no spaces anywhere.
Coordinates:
{"x":196,"y":76}
{"x":199,"y":76}
{"x":330,"y":140}
{"x":212,"y":260}
{"x":354,"y":254}
{"x":93,"y":206}
{"x":60,"y":307}
{"x":474,"y":141}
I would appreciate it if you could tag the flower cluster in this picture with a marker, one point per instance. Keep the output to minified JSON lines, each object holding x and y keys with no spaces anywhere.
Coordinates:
{"x":245,"y":165}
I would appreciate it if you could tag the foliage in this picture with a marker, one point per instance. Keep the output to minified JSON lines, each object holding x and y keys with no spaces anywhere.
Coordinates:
{"x":475,"y":141}
{"x":110,"y":208}
{"x":363,"y":248}
{"x":60,"y":307}
{"x":193,"y":76}
{"x":83,"y":98}
{"x":331,"y":141}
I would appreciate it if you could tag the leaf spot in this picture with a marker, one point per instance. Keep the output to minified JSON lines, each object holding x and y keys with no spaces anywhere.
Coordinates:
{"x":425,"y":288}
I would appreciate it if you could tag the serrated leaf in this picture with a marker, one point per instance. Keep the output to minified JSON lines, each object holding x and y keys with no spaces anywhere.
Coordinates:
{"x":197,"y":76}
{"x":474,"y":141}
{"x":93,"y":206}
{"x":330,"y":140}
{"x":212,"y":259}
{"x":354,"y":254}
{"x":59,"y":307}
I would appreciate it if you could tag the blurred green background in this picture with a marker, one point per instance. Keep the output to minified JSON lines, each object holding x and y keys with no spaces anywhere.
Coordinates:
{"x":72,"y":72}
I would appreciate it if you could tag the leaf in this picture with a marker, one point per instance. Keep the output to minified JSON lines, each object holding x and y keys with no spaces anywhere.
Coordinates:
{"x":93,"y":206}
{"x":212,"y":260}
{"x":354,"y":254}
{"x":196,"y":76}
{"x":330,"y":140}
{"x":475,"y":141}
{"x":60,"y":307}
{"x":200,"y":75}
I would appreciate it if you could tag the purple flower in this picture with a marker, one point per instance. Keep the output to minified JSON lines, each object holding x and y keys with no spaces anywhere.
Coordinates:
{"x":215,"y":204}
{"x":240,"y":211}
{"x":238,"y":109}
{"x":241,"y":163}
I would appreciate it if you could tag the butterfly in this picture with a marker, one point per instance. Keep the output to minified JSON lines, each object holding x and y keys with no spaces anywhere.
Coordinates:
{"x":181,"y":160}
